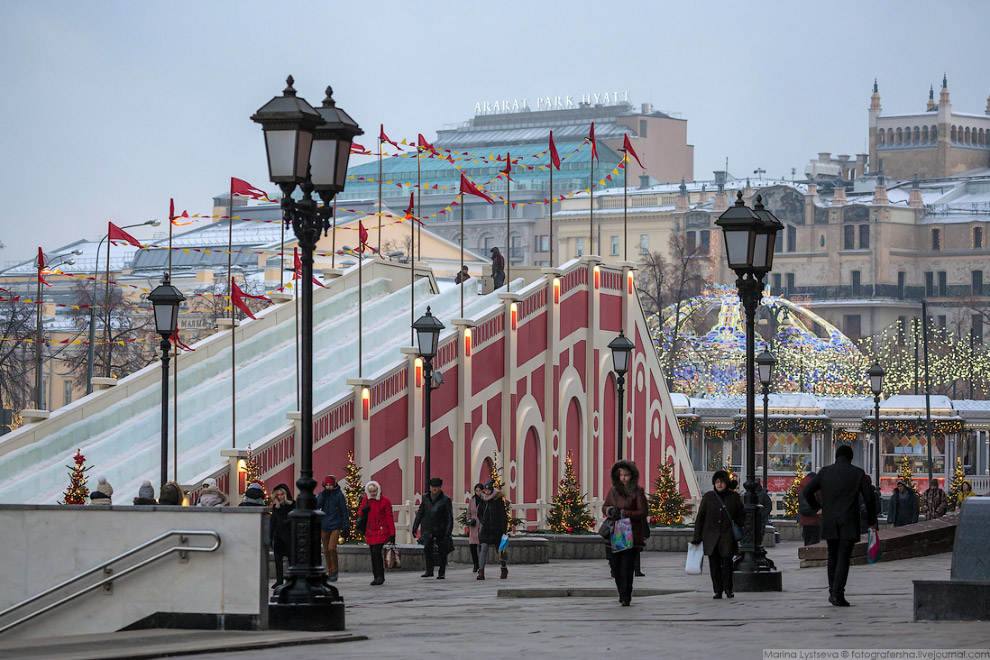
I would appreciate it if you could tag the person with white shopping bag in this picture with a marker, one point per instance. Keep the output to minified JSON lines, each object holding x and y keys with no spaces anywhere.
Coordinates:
{"x":625,"y":505}
{"x":717,"y":526}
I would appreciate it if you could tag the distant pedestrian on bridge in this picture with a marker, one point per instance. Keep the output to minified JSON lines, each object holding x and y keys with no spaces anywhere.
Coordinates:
{"x":841,"y":485}
{"x":498,"y":267}
{"x":462,"y":276}
{"x":333,"y":504}
{"x":435,"y":518}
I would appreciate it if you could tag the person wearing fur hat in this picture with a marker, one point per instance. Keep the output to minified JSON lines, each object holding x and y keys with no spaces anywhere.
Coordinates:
{"x":333,"y":504}
{"x":965,"y":491}
{"x":473,"y":526}
{"x":146,"y":495}
{"x":904,"y":506}
{"x":210,"y":495}
{"x":171,"y":495}
{"x":494,"y":523}
{"x":279,"y":529}
{"x":102,"y":495}
{"x":436,"y":518}
{"x":719,"y":508}
{"x":380,"y":527}
{"x":626,"y":499}
{"x":254,"y":495}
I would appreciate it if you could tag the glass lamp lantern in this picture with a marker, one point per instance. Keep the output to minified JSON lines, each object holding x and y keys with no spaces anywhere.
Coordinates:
{"x":165,"y":299}
{"x":621,"y":347}
{"x":740,"y":227}
{"x":332,"y":147}
{"x":289,"y":123}
{"x":428,"y":329}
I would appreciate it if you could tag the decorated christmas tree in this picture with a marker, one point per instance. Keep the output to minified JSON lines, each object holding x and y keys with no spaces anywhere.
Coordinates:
{"x":955,"y":486}
{"x":353,"y":494}
{"x":667,"y":505}
{"x":77,"y":492}
{"x":904,"y":471}
{"x":791,"y":497}
{"x":252,"y":475}
{"x":497,"y":478}
{"x":570,"y":512}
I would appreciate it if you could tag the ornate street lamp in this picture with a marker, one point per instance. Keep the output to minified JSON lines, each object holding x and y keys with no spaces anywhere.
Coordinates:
{"x":765,"y":362}
{"x":876,"y":374}
{"x":427,"y":328}
{"x":309,"y":149}
{"x":165,"y":300}
{"x":621,"y":347}
{"x":750,"y":236}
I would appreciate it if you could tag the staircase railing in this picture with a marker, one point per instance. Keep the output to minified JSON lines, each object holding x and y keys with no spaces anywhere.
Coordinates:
{"x":109,"y":575}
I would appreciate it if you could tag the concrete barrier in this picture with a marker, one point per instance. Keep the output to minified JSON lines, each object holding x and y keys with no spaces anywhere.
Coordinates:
{"x":929,"y":537}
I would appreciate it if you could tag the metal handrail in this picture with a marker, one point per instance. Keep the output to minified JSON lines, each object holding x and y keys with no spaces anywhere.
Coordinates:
{"x":110,"y":578}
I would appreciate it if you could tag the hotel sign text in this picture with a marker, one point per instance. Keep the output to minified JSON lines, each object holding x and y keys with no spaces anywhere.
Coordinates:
{"x":550,"y":102}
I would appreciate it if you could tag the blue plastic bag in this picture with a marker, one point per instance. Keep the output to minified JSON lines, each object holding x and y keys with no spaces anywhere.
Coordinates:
{"x":622,"y":535}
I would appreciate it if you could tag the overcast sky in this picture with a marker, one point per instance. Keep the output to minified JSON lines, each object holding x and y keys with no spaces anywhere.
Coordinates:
{"x":110,"y":108}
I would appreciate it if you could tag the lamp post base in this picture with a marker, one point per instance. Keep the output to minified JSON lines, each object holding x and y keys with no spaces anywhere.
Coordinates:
{"x":757,"y":581}
{"x":317,"y":616}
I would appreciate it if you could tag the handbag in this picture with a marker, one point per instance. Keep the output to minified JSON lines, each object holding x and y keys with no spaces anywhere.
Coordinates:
{"x":361,"y":524}
{"x":605,"y":529}
{"x":695,"y":554}
{"x":622,"y":535}
{"x":874,"y":549}
{"x":737,"y":533}
{"x":646,"y":528}
{"x":393,"y":557}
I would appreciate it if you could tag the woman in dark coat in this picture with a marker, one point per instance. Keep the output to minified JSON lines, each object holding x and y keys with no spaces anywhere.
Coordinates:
{"x":494,"y":523}
{"x":626,"y":499}
{"x":498,"y":268}
{"x":719,"y":508}
{"x":278,"y":531}
{"x":904,"y":506}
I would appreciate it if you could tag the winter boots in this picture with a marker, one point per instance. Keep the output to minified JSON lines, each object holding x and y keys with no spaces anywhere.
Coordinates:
{"x":481,"y":574}
{"x":505,"y":572}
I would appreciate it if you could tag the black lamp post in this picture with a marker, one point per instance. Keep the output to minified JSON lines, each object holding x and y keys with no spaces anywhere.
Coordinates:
{"x":308,"y":148}
{"x":876,"y":374}
{"x":750,"y":235}
{"x":165,"y":300}
{"x":621,"y":347}
{"x":427,"y":328}
{"x":765,"y":362}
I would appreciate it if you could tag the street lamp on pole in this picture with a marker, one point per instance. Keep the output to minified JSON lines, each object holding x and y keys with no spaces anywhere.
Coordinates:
{"x":765,"y":362}
{"x":427,"y":328}
{"x":750,"y":236}
{"x":309,"y":149}
{"x":876,"y":374}
{"x":165,"y":300}
{"x":42,"y":264}
{"x":621,"y":347}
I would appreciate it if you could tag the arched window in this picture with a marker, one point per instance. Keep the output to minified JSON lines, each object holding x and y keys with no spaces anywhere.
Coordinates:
{"x":917,"y":135}
{"x":934,"y":133}
{"x":890,"y":136}
{"x":952,"y":134}
{"x":900,"y":136}
{"x":924,"y":134}
{"x":881,"y":137}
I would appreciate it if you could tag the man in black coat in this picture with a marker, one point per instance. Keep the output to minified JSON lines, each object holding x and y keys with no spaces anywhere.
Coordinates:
{"x":841,"y":485}
{"x":436,"y":519}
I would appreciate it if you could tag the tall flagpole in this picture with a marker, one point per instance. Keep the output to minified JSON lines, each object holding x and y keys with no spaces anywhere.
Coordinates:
{"x":106,"y":317}
{"x":360,"y":256}
{"x":233,"y":318}
{"x":333,"y":245}
{"x":175,"y":369}
{"x":412,"y":247}
{"x":625,"y":186}
{"x":381,"y":148}
{"x":462,"y":252}
{"x":295,"y":297}
{"x":508,"y":225}
{"x":591,"y":207}
{"x":551,"y":211}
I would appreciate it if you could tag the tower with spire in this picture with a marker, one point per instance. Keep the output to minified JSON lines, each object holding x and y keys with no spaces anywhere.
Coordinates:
{"x":875,"y":110}
{"x":932,"y":107}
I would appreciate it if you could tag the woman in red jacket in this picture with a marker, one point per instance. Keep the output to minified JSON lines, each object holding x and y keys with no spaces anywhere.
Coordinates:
{"x":380,"y":529}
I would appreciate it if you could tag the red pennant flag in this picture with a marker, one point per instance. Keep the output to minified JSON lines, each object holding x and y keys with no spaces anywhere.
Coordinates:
{"x":423,"y":144}
{"x":16,"y":298}
{"x":171,"y":209}
{"x":41,"y":267}
{"x":237,"y":298}
{"x":178,"y":342}
{"x":245,"y":189}
{"x":297,"y":266}
{"x":115,"y":233}
{"x":508,"y":167}
{"x":594,"y":146}
{"x":384,"y":138}
{"x":359,"y":149}
{"x":362,"y":237}
{"x":627,"y":145}
{"x":409,"y":209}
{"x":469,"y":188}
{"x":554,"y":156}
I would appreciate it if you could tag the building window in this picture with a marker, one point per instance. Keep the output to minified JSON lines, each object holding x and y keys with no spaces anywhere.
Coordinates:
{"x":789,"y":279}
{"x":580,"y":246}
{"x":855,"y":282}
{"x":849,"y":237}
{"x":692,"y":242}
{"x":978,"y":237}
{"x":644,"y":243}
{"x":900,"y":285}
{"x":489,"y":244}
{"x":66,"y":392}
{"x":864,"y":237}
{"x":642,"y":127}
{"x":543,"y":243}
{"x":705,"y":243}
{"x":936,"y":239}
{"x":791,"y":238}
{"x":516,"y":251}
{"x":776,"y":283}
{"x":929,"y":283}
{"x":977,"y":329}
{"x":977,"y":282}
{"x":851,"y":325}
{"x":615,"y":246}
{"x":943,"y":289}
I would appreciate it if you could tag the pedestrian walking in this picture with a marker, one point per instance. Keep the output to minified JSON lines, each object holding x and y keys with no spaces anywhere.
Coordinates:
{"x":462,"y":276}
{"x":254,"y":495}
{"x":965,"y":491}
{"x":146,"y":494}
{"x":494,"y":523}
{"x":498,"y":267}
{"x":904,"y":506}
{"x":171,"y":494}
{"x":473,"y":526}
{"x":336,"y":519}
{"x":379,"y":527}
{"x":435,"y":521}
{"x":279,"y":531}
{"x":102,"y":495}
{"x":211,"y":495}
{"x":718,"y":511}
{"x":809,"y":514}
{"x":626,"y":499}
{"x":841,"y":485}
{"x":935,"y":502}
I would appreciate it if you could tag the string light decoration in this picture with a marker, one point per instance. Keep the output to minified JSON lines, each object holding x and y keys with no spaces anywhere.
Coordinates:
{"x":687,"y":422}
{"x":570,"y":514}
{"x":77,"y":491}
{"x":812,"y":355}
{"x":353,"y":494}
{"x":667,"y":506}
{"x":955,"y":487}
{"x":791,"y":497}
{"x":913,"y":426}
{"x":788,"y":424}
{"x":904,"y":471}
{"x":845,"y":436}
{"x":252,"y":475}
